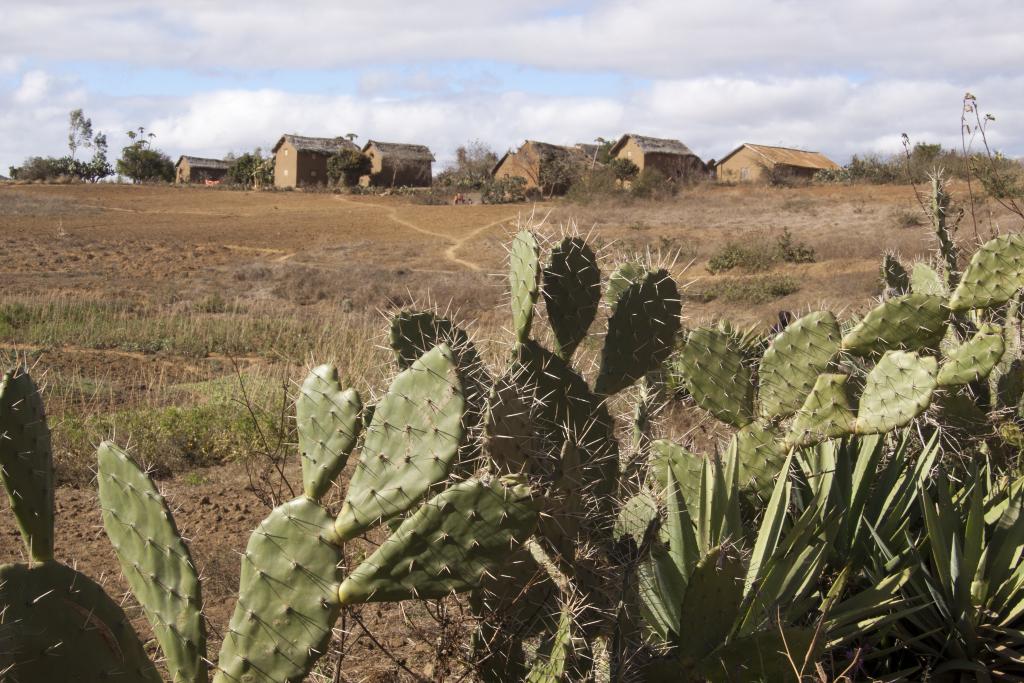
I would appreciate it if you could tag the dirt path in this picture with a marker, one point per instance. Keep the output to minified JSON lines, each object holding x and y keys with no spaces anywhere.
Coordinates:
{"x":456,"y":242}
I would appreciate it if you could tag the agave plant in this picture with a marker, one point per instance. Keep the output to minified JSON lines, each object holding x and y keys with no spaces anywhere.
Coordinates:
{"x":965,"y":579}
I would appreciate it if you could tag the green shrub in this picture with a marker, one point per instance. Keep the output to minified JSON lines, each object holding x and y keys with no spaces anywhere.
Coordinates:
{"x":596,"y":184}
{"x":653,"y":184}
{"x":759,"y":289}
{"x":755,"y":256}
{"x":169,"y":440}
{"x":347,"y":167}
{"x":734,"y":255}
{"x":791,"y":251}
{"x":623,"y":169}
{"x":506,"y":190}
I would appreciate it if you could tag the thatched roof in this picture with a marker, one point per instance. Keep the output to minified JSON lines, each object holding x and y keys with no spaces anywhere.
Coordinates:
{"x":202,"y":162}
{"x":303,"y":143}
{"x":786,"y":156}
{"x":650,"y":145}
{"x":545,"y":151}
{"x":401,"y":151}
{"x":587,"y":148}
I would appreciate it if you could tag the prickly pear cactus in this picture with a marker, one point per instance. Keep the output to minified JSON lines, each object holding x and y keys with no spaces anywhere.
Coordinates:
{"x":686,"y":470}
{"x":760,"y":456}
{"x":59,"y":625}
{"x":409,"y":446}
{"x":288,"y":597}
{"x":791,"y":364}
{"x":155,"y":562}
{"x":895,"y":277}
{"x":641,"y":331}
{"x":827,"y":412}
{"x":719,"y":381}
{"x":524,"y":281}
{"x":623,"y":277}
{"x":898,"y":389}
{"x":994,"y":275}
{"x":974,"y":359}
{"x":563,"y":656}
{"x":449,"y":545}
{"x":912,"y":321}
{"x":26,"y":461}
{"x":924,"y":280}
{"x":572,"y":290}
{"x":328,"y":421}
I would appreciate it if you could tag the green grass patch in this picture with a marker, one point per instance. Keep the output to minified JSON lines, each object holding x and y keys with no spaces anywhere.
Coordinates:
{"x":170,"y":440}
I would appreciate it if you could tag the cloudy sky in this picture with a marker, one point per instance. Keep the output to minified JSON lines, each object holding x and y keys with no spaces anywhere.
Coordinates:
{"x":212,"y":76}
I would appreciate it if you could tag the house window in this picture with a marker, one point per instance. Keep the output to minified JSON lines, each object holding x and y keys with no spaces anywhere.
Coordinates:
{"x":744,"y":173}
{"x":312,"y":172}
{"x":286,"y":152}
{"x":286,"y":173}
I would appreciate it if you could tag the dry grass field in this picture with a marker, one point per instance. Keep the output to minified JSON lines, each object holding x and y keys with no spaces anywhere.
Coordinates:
{"x":175,"y":319}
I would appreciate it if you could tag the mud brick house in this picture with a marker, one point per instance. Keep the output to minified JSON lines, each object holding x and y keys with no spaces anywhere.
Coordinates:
{"x":301,"y":161}
{"x":749,"y":163}
{"x":540,"y":165}
{"x":671,"y":157}
{"x":396,"y":164}
{"x":198,"y":170}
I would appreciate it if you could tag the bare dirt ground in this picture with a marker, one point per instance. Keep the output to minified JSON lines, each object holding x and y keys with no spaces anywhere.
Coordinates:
{"x":139,"y":304}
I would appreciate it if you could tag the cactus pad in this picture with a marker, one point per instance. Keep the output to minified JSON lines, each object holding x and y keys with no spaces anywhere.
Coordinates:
{"x":561,"y":404}
{"x":524,"y":281}
{"x":449,"y":545}
{"x":558,"y":656}
{"x":794,"y":360}
{"x":827,"y":413}
{"x":686,"y":468}
{"x":894,"y":276}
{"x":714,"y":372}
{"x":974,"y":359}
{"x":626,"y":275}
{"x":924,"y":280}
{"x":641,"y":331}
{"x":155,"y":561}
{"x":409,"y":446}
{"x":635,"y":516}
{"x":288,"y":597}
{"x":62,"y":626}
{"x":994,"y":275}
{"x":898,"y":389}
{"x":572,"y":289}
{"x":328,"y":422}
{"x":26,"y":461}
{"x":912,"y":321}
{"x":760,"y":457}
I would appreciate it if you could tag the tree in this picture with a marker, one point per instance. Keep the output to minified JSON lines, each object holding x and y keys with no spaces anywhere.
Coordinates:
{"x":252,"y":169}
{"x":141,"y":162}
{"x":623,"y":169}
{"x":79,"y":131}
{"x":604,"y":149}
{"x":347,"y":166}
{"x":80,"y":136}
{"x":472,"y":166}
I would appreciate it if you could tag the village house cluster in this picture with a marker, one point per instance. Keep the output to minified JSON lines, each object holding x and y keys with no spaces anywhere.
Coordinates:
{"x":301,"y":161}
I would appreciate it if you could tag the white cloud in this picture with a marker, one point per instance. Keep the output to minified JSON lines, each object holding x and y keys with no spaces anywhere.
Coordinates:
{"x":646,"y":38}
{"x":34,"y":86}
